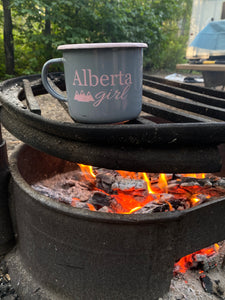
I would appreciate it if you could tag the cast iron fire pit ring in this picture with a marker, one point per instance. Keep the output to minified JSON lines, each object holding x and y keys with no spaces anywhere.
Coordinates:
{"x":136,"y":143}
{"x":165,"y":236}
{"x":152,"y":159}
{"x":122,"y":134}
{"x":202,"y":212}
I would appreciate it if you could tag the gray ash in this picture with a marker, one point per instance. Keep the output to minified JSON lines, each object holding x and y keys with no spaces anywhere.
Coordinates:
{"x":6,"y":289}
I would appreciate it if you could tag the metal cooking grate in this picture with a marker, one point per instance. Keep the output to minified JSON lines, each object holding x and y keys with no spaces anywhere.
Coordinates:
{"x":178,"y":130}
{"x":183,"y":102}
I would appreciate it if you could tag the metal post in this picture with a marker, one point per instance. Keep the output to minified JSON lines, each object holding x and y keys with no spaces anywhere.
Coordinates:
{"x":6,"y":231}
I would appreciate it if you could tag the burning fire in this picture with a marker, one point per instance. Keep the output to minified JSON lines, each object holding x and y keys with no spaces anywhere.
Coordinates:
{"x":126,"y":198}
{"x":126,"y":192}
{"x":188,"y":261}
{"x":129,"y":204}
{"x":199,"y":175}
{"x":163,"y":183}
{"x":87,"y":171}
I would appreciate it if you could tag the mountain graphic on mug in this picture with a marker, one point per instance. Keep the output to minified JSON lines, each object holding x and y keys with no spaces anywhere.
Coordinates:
{"x":82,"y":97}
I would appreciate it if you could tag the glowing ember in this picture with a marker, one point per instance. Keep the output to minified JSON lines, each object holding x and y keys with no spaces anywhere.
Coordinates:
{"x":126,"y":192}
{"x":132,"y":199}
{"x":199,"y":175}
{"x":195,"y":200}
{"x":188,"y":261}
{"x":129,"y":204}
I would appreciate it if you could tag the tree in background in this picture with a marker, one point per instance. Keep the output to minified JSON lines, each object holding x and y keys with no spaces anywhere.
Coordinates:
{"x":41,"y":25}
{"x":174,"y":31}
{"x":8,"y":38}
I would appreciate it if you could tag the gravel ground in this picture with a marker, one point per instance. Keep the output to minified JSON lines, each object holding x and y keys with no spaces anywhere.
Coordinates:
{"x":7,"y":292}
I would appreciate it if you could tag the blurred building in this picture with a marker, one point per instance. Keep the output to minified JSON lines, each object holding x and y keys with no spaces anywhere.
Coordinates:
{"x":203,"y":12}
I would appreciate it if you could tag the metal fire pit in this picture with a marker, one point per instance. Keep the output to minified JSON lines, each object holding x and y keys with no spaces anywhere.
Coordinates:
{"x":69,"y":253}
{"x":66,"y":253}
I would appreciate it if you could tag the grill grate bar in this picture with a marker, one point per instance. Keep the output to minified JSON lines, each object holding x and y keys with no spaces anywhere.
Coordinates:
{"x":208,"y":100}
{"x":177,"y":110}
{"x":159,"y":124}
{"x":30,"y":99}
{"x":185,"y":86}
{"x":144,"y":120}
{"x":217,"y":114}
{"x":172,"y":114}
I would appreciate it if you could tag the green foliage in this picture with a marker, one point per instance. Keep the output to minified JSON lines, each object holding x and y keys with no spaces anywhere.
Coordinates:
{"x":173,"y":18}
{"x":159,"y":23}
{"x":2,"y":58}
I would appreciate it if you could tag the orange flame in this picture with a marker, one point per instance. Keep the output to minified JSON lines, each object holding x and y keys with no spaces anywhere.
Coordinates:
{"x":127,"y":204}
{"x":170,"y":206}
{"x":87,"y":171}
{"x":216,"y":247}
{"x":133,"y":210}
{"x":127,"y":201}
{"x":198,"y":175}
{"x":145,"y":177}
{"x":138,"y":175}
{"x":194,"y":200}
{"x":163,"y":183}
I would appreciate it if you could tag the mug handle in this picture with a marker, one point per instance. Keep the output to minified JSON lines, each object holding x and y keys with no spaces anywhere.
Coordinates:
{"x":44,"y":75}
